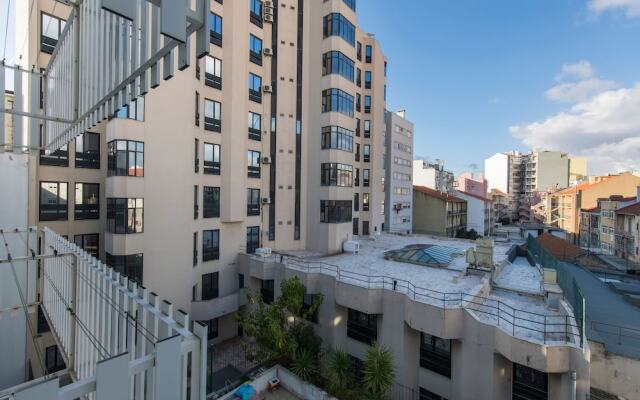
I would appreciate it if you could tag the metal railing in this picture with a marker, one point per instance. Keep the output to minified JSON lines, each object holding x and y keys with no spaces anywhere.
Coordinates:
{"x":531,"y":326}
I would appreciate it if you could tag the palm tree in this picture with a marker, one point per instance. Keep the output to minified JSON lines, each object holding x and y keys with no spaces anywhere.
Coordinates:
{"x":379,"y":374}
{"x":339,"y":372}
{"x":304,"y":365}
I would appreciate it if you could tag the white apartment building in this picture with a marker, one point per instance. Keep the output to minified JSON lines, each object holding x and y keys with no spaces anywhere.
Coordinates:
{"x":479,"y":213}
{"x":433,"y":175}
{"x":398,"y":173}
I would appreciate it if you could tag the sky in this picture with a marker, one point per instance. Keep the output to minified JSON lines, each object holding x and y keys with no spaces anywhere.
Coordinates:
{"x":484,"y":76}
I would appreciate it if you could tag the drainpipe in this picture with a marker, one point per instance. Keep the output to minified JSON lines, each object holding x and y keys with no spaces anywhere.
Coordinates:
{"x":573,"y":385}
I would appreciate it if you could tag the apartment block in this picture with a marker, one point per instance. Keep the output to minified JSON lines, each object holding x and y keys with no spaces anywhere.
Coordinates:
{"x":499,"y":205}
{"x":563,"y":207}
{"x":398,"y":173}
{"x":433,"y":175}
{"x":473,"y":183}
{"x":479,"y":212}
{"x":276,"y":139}
{"x":598,"y":224}
{"x":438,"y":213}
{"x":627,"y":242}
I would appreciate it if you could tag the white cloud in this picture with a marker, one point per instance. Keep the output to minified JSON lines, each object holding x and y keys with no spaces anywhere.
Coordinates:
{"x":578,"y":82}
{"x":631,"y":8}
{"x":604,"y":128}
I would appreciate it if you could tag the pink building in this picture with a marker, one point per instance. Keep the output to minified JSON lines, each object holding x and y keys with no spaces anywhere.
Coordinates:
{"x":474,"y":184}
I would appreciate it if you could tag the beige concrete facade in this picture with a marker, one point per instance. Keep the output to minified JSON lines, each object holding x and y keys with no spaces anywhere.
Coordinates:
{"x":438,"y":213}
{"x":399,"y":189}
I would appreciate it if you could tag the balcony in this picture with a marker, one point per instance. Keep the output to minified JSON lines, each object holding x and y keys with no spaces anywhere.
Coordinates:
{"x":214,"y":308}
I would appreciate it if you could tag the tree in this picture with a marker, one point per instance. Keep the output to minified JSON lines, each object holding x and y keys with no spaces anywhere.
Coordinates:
{"x":379,"y":374}
{"x":280,"y":329}
{"x":338,"y":371}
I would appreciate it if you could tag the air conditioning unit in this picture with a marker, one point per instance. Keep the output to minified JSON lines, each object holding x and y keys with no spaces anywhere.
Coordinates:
{"x":267,"y":89}
{"x":266,"y":160}
{"x":268,"y":4}
{"x":268,"y":10}
{"x":266,"y":200}
{"x":268,"y":51}
{"x":264,"y":251}
{"x":268,"y":18}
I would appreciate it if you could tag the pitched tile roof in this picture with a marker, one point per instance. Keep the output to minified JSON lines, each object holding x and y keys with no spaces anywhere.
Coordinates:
{"x":438,"y":195}
{"x":633,"y":209}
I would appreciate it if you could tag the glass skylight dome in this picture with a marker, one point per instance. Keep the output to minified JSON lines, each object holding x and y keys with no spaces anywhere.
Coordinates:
{"x":424,"y":254}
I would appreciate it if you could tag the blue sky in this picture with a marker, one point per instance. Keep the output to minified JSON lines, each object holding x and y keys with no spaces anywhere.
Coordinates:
{"x":468,"y":70}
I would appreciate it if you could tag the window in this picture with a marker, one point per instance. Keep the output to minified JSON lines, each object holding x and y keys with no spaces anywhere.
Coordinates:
{"x":359,"y":51}
{"x":335,"y":24}
{"x":212,"y":159}
{"x":435,"y":354}
{"x":50,"y":30}
{"x":365,"y":228}
{"x":367,"y":128}
{"x":336,"y":137}
{"x":427,"y":395}
{"x":529,"y":383}
{"x":58,"y":158}
{"x":253,"y":164}
{"x":362,"y":327}
{"x":125,"y":158}
{"x":134,"y":111}
{"x":125,"y":215}
{"x":197,"y":116}
{"x":350,"y":3}
{"x":367,"y":104}
{"x":267,"y":291}
{"x":357,"y":155}
{"x":195,"y":250}
{"x":255,"y":126}
{"x":210,"y":286}
{"x":334,"y":62}
{"x":253,"y":239}
{"x":255,"y":12}
{"x":215,"y":29}
{"x":130,"y":266}
{"x":211,"y":202}
{"x":196,"y":159}
{"x":356,"y":223}
{"x":356,"y":202}
{"x":88,"y":150}
{"x":365,"y":201}
{"x":359,"y":77}
{"x":253,"y":202}
{"x":53,"y":359}
{"x":89,"y":243}
{"x":357,"y":180}
{"x":212,"y":117}
{"x":212,"y":328}
{"x":87,"y":201}
{"x":255,"y":88}
{"x":333,"y":174}
{"x":358,"y":102}
{"x":366,"y":153}
{"x":337,"y":100}
{"x":335,"y":211}
{"x":195,"y":202}
{"x":210,"y":245}
{"x":43,"y":325}
{"x":368,"y":54}
{"x":365,"y":177}
{"x":240,"y":281}
{"x":213,"y":72}
{"x":367,"y":79}
{"x":53,"y":201}
{"x":255,"y":49}
{"x":358,"y":127}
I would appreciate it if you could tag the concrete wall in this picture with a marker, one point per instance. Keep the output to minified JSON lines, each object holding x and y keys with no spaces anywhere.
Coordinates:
{"x":429,"y":214}
{"x":475,"y":212}
{"x":398,"y":206}
{"x":613,"y":373}
{"x":496,"y":172}
{"x":552,"y":170}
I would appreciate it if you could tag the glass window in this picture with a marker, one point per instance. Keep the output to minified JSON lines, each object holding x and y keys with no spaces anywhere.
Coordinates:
{"x":89,"y":242}
{"x":255,"y":88}
{"x":210,"y":286}
{"x":350,"y":3}
{"x":125,"y":158}
{"x":53,"y":201}
{"x":130,"y":265}
{"x":255,"y":12}
{"x":336,"y":137}
{"x":134,"y":110}
{"x":213,"y":72}
{"x":253,"y":202}
{"x":435,"y":354}
{"x":53,"y":359}
{"x":215,"y":29}
{"x":333,"y":174}
{"x":334,"y":62}
{"x":365,"y":201}
{"x":255,"y":49}
{"x":87,"y":201}
{"x":267,"y":290}
{"x":368,"y":54}
{"x":335,"y":24}
{"x":212,"y":328}
{"x":367,"y":79}
{"x":367,"y":104}
{"x":362,"y":327}
{"x":336,"y":100}
{"x":366,"y":153}
{"x":253,"y":164}
{"x":529,"y":383}
{"x":212,"y":115}
{"x":335,"y":211}
{"x":58,"y":158}
{"x":253,"y":239}
{"x":88,"y":150}
{"x":255,"y":126}
{"x":211,"y":202}
{"x":125,"y":216}
{"x":365,"y":177}
{"x":50,"y":29}
{"x":210,"y":245}
{"x":212,"y":159}
{"x":359,"y":51}
{"x":427,"y":395}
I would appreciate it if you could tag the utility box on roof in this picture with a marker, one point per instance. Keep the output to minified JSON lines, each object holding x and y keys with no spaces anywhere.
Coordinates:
{"x":484,"y":252}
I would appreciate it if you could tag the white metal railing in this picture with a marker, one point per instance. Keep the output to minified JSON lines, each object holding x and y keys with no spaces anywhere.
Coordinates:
{"x":119,"y":341}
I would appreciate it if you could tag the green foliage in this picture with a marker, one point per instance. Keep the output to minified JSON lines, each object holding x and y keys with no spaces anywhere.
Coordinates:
{"x":305,"y":365}
{"x":338,"y":371}
{"x":280,"y":329}
{"x":379,"y":374}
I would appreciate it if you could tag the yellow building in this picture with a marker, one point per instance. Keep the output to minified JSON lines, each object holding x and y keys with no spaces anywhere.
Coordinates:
{"x":577,"y":169}
{"x":564,"y":206}
{"x":438,"y":213}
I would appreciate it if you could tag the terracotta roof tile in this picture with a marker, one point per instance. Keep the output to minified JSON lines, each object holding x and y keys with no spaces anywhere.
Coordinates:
{"x":437,"y":194}
{"x":633,"y":209}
